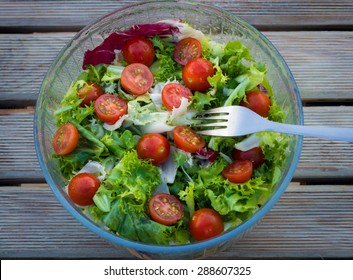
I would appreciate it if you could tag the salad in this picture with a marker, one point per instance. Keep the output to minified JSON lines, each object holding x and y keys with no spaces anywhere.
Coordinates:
{"x":126,"y":141}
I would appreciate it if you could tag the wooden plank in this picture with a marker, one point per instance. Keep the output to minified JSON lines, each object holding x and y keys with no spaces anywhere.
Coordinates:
{"x":326,"y":159}
{"x":265,"y":14}
{"x":24,"y":61}
{"x":320,"y":159}
{"x":18,"y":159}
{"x":321,"y":62}
{"x":307,"y":222}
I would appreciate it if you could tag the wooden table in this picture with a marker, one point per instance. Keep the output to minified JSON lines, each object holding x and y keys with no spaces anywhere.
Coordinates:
{"x":313,"y":219}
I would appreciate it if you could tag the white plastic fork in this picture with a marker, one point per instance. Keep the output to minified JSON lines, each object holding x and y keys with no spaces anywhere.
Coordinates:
{"x":239,"y":121}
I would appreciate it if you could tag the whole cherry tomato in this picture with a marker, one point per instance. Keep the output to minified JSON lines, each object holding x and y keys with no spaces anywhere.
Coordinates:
{"x":153,"y":146}
{"x":258,"y":102}
{"x":205,"y":223}
{"x":196,"y":72}
{"x":82,"y":188}
{"x":138,"y":50}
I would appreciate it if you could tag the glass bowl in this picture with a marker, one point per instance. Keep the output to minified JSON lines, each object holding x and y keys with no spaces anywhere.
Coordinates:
{"x":216,"y":24}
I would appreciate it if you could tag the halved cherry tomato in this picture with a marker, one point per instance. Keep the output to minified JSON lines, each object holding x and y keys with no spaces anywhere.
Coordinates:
{"x":239,"y":171}
{"x":258,"y":102}
{"x":172,"y":94}
{"x":138,"y":50}
{"x":109,"y":108}
{"x":65,"y":139}
{"x":82,"y":188}
{"x":205,"y":223}
{"x":153,"y":146}
{"x":187,"y":49}
{"x":136,"y":79}
{"x":89,"y":92}
{"x":165,"y":209}
{"x":196,"y":72}
{"x":255,"y":155}
{"x":187,"y":139}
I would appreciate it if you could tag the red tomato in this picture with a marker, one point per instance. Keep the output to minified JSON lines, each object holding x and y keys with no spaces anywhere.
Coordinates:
{"x":196,"y":72}
{"x":172,"y":94}
{"x":89,"y":92}
{"x":138,"y":50}
{"x":82,"y":188}
{"x":65,"y":139}
{"x":255,"y":155}
{"x":153,"y":146}
{"x":165,"y":209}
{"x":258,"y":102}
{"x":187,"y":49}
{"x":205,"y":223}
{"x":239,"y":171}
{"x":109,"y":108}
{"x":136,"y":79}
{"x":187,"y":139}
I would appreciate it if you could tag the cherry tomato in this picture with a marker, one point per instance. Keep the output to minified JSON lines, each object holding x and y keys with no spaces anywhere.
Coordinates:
{"x":205,"y":223}
{"x":153,"y":146}
{"x":196,"y":72}
{"x":89,"y":92}
{"x":187,"y":49}
{"x":239,"y":171}
{"x":138,"y":50}
{"x":82,"y":188}
{"x":255,"y":155}
{"x":172,"y":94}
{"x":109,"y":108}
{"x":187,"y":139}
{"x":165,"y":209}
{"x":65,"y":139}
{"x":258,"y":102}
{"x":136,"y":79}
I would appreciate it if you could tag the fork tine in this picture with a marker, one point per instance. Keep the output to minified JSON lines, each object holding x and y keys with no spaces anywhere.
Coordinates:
{"x":215,"y":132}
{"x":211,"y":124}
{"x":217,"y":117}
{"x":219,"y":110}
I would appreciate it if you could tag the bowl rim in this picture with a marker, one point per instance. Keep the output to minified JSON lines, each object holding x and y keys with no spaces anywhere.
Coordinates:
{"x":190,"y":247}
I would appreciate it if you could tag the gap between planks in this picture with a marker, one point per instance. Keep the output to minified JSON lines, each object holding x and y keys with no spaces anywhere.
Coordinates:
{"x":321,"y":62}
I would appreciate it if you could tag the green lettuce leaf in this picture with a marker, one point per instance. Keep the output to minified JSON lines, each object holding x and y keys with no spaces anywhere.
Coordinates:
{"x":134,"y":178}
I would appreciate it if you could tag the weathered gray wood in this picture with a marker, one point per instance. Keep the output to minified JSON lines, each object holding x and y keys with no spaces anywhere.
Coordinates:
{"x":321,"y":62}
{"x":24,"y":61}
{"x":265,"y":14}
{"x":320,"y":159}
{"x":313,"y":221}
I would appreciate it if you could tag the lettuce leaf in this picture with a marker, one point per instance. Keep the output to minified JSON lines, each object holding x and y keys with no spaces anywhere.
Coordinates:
{"x":134,"y":178}
{"x":131,"y":222}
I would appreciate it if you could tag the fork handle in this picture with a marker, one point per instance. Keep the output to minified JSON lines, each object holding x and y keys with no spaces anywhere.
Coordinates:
{"x":333,"y":133}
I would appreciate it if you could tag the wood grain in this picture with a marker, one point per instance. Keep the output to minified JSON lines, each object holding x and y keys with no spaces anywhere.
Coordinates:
{"x":270,"y":15}
{"x":320,"y":160}
{"x":314,"y":217}
{"x":301,"y":225}
{"x":321,"y":62}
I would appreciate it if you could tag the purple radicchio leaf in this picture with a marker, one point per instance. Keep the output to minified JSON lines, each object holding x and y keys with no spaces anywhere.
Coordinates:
{"x":207,"y":155}
{"x":262,"y":88}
